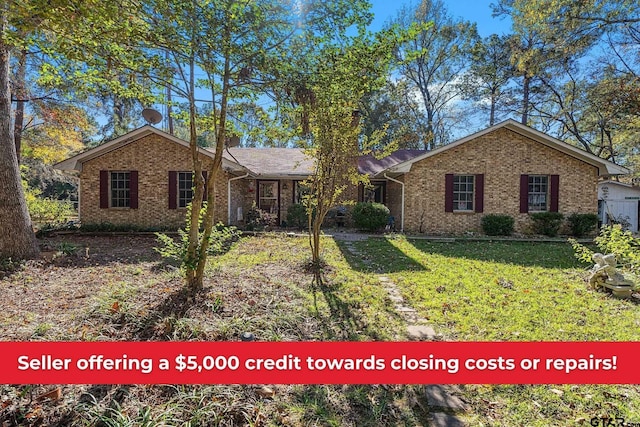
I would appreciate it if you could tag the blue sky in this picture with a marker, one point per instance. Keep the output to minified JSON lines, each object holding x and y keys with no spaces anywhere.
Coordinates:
{"x":478,"y":11}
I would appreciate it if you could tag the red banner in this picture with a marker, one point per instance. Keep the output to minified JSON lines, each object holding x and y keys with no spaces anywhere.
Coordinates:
{"x":319,"y":362}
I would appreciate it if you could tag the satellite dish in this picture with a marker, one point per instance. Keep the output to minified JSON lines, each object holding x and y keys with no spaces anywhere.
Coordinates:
{"x":151,"y":116}
{"x":233,"y":141}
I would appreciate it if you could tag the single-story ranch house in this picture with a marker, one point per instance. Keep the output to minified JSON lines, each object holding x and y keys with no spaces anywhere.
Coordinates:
{"x":144,"y":179}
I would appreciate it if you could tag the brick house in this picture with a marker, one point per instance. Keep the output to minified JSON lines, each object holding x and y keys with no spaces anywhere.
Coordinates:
{"x":144,"y":178}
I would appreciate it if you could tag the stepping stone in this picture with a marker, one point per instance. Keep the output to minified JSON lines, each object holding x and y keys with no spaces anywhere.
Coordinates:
{"x":440,"y":419}
{"x":396,"y":298}
{"x":383,"y":279}
{"x":442,"y":396}
{"x":420,"y":333}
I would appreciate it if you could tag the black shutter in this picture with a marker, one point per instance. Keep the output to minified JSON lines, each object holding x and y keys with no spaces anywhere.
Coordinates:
{"x":479,"y":202}
{"x":524,"y":193}
{"x":448,"y":192}
{"x":104,"y":189}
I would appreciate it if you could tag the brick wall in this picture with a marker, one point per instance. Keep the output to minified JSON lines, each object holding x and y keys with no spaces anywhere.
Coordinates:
{"x":153,"y":157}
{"x":502,"y":156}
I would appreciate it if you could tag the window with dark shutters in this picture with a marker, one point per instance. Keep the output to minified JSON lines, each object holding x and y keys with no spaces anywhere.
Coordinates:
{"x":181,"y":188}
{"x":539,"y":193}
{"x":118,"y":189}
{"x":464,"y":193}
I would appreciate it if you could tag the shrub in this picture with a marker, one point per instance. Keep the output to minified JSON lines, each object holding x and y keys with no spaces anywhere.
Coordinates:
{"x":497,"y":225}
{"x":221,"y":239}
{"x":370,"y":216}
{"x":258,"y":219}
{"x":613,"y":240}
{"x":46,"y":210}
{"x":108,"y":227}
{"x":581,"y":224}
{"x":297,"y":216}
{"x":547,"y":223}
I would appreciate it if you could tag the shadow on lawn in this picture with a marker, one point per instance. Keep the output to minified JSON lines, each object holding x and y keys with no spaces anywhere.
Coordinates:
{"x":371,"y":405}
{"x":343,"y":322}
{"x":377,"y":255}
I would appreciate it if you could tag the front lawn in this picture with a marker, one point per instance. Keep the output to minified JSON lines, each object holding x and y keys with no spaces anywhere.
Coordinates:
{"x":118,"y":288}
{"x":512,"y":291}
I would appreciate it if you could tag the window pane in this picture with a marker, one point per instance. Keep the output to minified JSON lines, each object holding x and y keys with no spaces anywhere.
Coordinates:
{"x":120,"y":189}
{"x":538,"y":189}
{"x":299,"y":191}
{"x":185,"y":188}
{"x":463,"y":192}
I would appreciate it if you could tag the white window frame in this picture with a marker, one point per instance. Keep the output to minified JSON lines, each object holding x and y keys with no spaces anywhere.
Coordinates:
{"x":461,"y":187}
{"x":120,"y":195}
{"x":182,"y":193}
{"x":537,"y":182}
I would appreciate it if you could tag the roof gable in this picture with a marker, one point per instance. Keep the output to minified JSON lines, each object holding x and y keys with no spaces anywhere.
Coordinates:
{"x":75,"y":162}
{"x":605,"y":167}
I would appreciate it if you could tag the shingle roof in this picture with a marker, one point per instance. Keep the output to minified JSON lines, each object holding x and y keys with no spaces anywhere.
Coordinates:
{"x":278,"y":162}
{"x":272,"y":162}
{"x":371,"y":166}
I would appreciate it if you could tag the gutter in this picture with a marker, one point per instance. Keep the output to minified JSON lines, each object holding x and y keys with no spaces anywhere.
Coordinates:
{"x":229,"y":195}
{"x":402,"y":205}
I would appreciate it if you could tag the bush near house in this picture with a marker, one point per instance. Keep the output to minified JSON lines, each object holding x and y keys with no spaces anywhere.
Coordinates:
{"x":258,"y":219}
{"x":582,"y":224}
{"x":613,"y":239}
{"x":297,"y":216}
{"x":547,"y":223}
{"x":497,"y":225}
{"x":370,"y":216}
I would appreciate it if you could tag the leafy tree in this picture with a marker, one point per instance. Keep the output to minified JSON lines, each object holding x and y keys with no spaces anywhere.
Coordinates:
{"x":16,"y":237}
{"x":489,"y":76}
{"x":330,"y":123}
{"x":237,"y":49}
{"x":395,"y":109}
{"x":590,"y":103}
{"x":86,"y":34}
{"x":433,"y":61}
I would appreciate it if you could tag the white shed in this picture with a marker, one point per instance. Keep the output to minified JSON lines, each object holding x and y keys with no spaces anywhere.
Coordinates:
{"x":619,"y":202}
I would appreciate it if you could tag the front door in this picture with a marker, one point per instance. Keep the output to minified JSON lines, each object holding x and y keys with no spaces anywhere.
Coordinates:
{"x":269,"y":198}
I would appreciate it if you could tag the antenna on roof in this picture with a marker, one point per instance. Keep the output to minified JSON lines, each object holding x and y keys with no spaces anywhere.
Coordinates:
{"x":233,"y":141}
{"x":151,"y":116}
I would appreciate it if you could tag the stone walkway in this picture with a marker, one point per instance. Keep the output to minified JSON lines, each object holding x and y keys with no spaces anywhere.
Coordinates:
{"x":443,"y":400}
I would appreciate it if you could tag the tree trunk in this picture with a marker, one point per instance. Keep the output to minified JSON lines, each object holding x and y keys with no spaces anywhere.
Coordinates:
{"x":525,"y":99}
{"x":492,"y":114}
{"x":17,"y":240}
{"x":21,"y":95}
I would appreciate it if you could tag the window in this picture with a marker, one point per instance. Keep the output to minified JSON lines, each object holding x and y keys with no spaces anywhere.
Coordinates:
{"x":120,"y":189}
{"x":463,"y":192}
{"x":299,"y":191}
{"x":185,"y":188}
{"x":375,"y":192}
{"x":538,"y":193}
{"x":268,"y":196}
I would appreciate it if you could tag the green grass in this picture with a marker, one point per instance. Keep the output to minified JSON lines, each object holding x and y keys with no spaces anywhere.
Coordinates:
{"x":493,"y":290}
{"x":512,"y":291}
{"x":503,"y":291}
